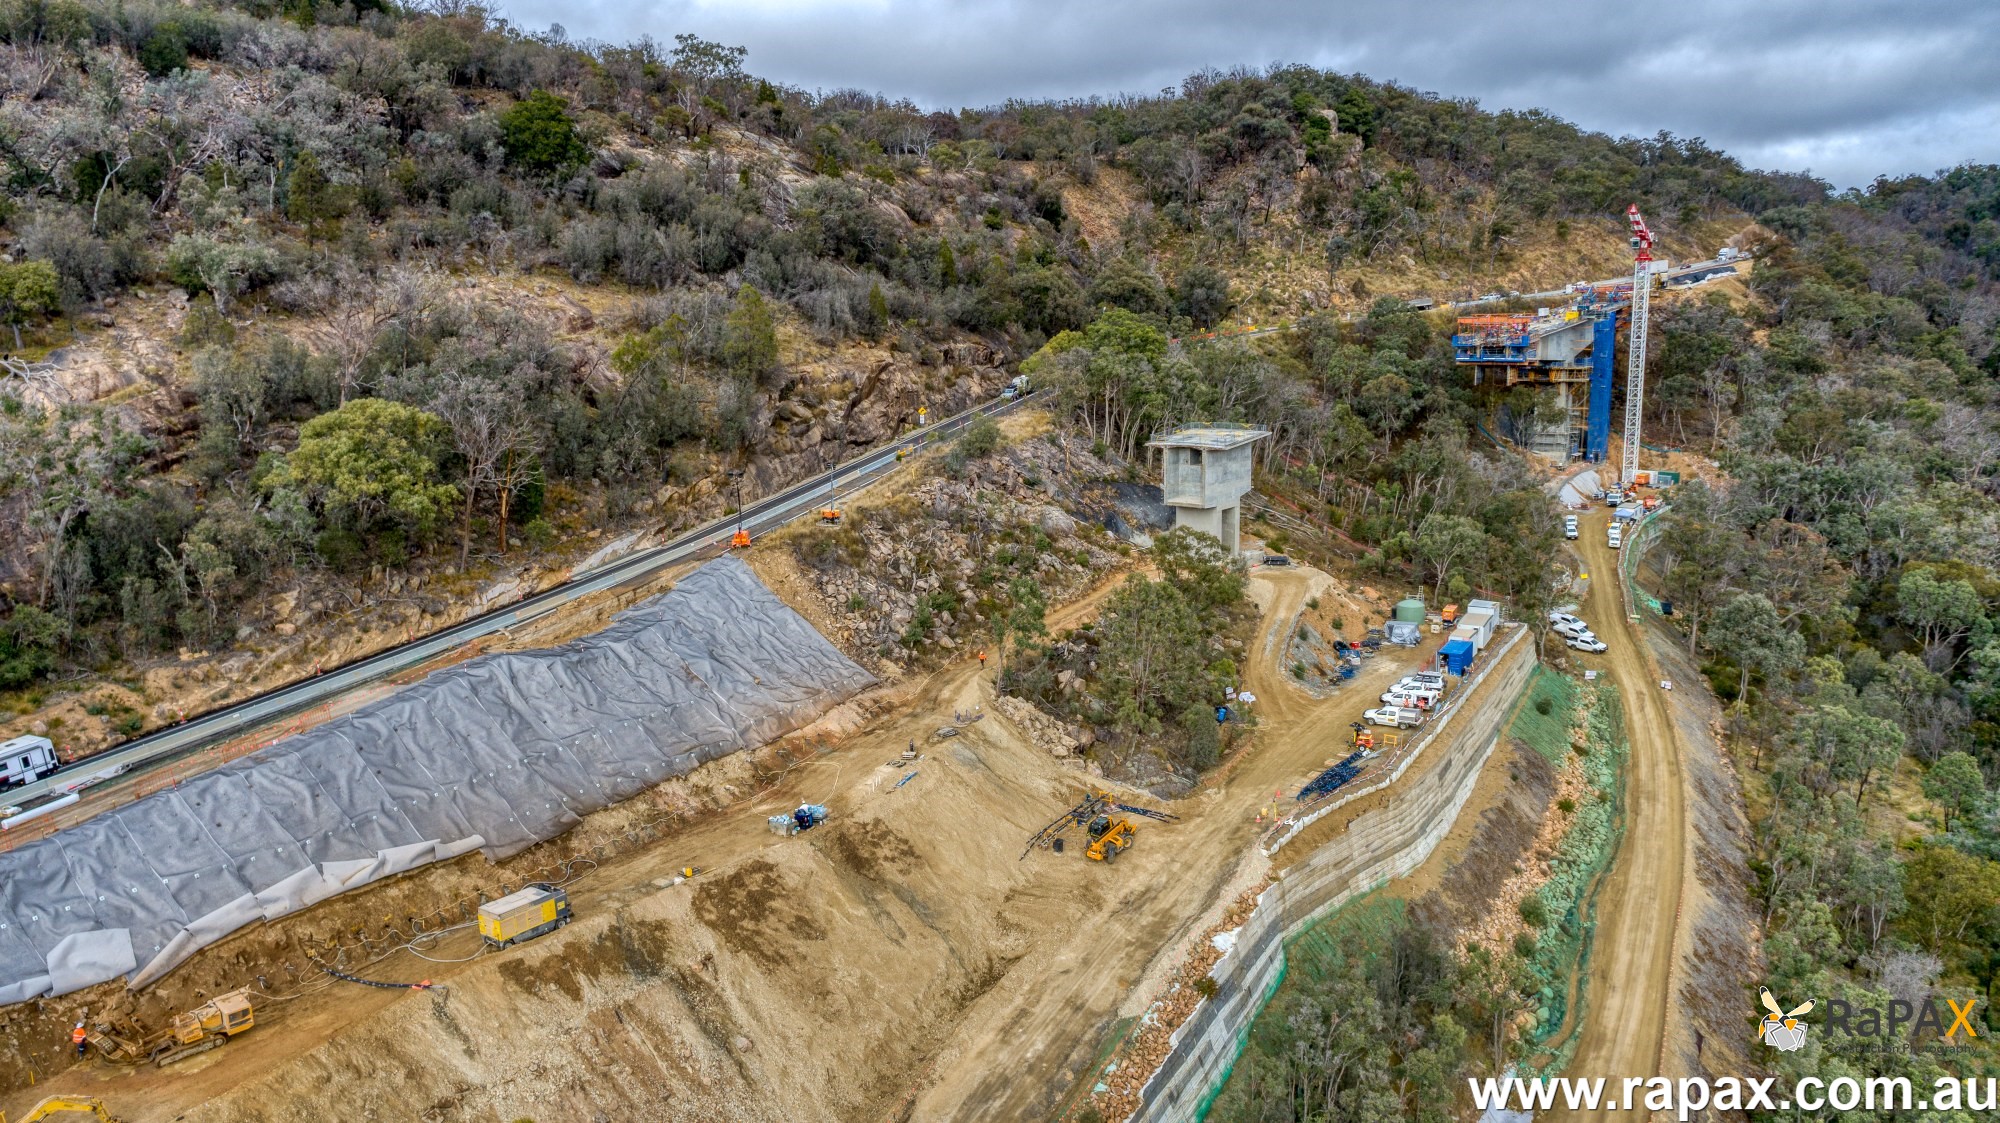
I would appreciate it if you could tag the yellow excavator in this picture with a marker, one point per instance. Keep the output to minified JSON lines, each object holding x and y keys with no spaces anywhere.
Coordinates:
{"x":56,"y":1105}
{"x":196,"y":1031}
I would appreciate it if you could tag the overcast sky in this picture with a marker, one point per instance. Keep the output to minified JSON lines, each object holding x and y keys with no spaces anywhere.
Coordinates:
{"x":1847,"y":89}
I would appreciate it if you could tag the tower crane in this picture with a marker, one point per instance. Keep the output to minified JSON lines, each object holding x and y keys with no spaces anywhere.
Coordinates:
{"x":1635,"y":374}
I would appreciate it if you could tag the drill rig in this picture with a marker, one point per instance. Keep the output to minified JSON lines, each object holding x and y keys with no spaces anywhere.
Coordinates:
{"x":1100,"y":817}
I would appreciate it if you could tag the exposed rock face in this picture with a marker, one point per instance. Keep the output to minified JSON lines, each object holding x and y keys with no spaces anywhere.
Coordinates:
{"x":1044,"y":729}
{"x":940,"y":561}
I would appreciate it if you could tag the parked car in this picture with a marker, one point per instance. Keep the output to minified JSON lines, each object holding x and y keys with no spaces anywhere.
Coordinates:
{"x":1613,"y":538}
{"x":1412,"y":698}
{"x":1571,"y":628}
{"x":1557,"y":617}
{"x":1569,"y":526}
{"x":1586,"y":643}
{"x":1396,"y":717}
{"x":1421,"y":680}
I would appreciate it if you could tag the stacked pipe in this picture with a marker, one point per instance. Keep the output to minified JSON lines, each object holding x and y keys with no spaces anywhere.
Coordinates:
{"x":1332,"y":778}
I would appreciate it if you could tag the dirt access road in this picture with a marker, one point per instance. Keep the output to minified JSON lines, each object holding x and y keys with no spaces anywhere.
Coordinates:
{"x":1638,"y":910}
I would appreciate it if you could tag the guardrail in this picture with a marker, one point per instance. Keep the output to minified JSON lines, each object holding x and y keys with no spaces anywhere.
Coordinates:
{"x":196,"y":733}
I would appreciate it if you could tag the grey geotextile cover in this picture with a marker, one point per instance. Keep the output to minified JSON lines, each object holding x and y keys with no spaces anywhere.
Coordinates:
{"x":498,"y":753}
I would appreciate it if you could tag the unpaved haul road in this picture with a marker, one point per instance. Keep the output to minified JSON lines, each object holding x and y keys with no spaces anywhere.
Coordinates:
{"x":1631,"y":956}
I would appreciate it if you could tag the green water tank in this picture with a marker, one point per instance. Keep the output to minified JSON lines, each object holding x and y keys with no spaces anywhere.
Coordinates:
{"x":1409,"y":610}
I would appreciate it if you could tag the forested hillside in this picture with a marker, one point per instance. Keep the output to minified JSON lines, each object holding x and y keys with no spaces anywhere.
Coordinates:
{"x":1843,"y":586}
{"x":333,"y":290}
{"x":353,"y":297}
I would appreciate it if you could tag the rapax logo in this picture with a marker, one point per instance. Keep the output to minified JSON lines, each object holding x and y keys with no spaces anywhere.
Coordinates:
{"x":1945,"y":1019}
{"x":1781,"y":1029}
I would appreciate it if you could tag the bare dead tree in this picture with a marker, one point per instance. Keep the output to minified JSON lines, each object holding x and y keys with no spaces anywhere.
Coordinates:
{"x":491,"y":430}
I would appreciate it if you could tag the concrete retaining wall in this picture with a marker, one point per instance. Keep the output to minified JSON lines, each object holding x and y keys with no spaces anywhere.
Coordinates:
{"x":1377,"y":847}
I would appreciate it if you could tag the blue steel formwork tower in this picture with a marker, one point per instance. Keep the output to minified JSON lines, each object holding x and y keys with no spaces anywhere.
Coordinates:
{"x":1565,"y":353}
{"x":1603,"y":347}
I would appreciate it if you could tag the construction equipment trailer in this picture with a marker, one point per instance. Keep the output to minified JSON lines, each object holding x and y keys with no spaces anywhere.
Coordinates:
{"x":532,"y":910}
{"x":1109,"y":834}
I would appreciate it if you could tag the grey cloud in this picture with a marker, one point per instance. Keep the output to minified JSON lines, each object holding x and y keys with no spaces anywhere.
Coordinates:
{"x":1847,"y":88}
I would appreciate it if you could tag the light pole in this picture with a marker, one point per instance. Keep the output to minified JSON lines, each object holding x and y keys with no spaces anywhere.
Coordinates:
{"x":741,"y":537}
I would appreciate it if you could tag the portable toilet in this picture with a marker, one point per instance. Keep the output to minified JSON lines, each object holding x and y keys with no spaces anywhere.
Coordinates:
{"x":1457,"y":655}
{"x":1409,"y":610}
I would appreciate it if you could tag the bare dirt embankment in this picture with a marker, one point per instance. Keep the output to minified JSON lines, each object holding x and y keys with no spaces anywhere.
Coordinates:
{"x":901,"y":962}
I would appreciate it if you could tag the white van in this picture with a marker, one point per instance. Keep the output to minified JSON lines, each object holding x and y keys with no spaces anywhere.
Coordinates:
{"x":1396,"y":717}
{"x":1614,"y":537}
{"x":1569,"y":526}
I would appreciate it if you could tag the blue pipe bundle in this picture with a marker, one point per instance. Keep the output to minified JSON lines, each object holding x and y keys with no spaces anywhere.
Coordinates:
{"x":1332,"y":778}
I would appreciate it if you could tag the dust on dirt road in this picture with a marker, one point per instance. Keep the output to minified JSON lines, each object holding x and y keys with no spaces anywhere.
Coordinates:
{"x":1639,"y":907}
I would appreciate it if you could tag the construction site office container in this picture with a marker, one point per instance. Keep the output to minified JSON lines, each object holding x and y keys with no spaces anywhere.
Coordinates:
{"x":1458,"y":655}
{"x":1492,"y":606}
{"x":523,"y":914}
{"x":1467,"y":633}
{"x":1480,"y":622}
